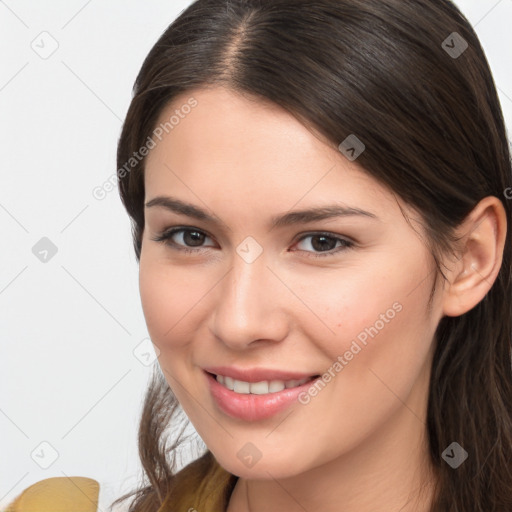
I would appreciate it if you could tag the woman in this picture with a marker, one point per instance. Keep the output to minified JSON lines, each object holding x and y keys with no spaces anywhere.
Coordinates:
{"x":320,"y":193}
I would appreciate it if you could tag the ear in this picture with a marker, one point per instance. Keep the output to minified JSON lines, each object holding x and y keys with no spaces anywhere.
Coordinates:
{"x":472,"y":275}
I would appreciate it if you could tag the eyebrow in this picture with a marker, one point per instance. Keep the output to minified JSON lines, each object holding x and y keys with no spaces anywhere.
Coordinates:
{"x":290,"y":218}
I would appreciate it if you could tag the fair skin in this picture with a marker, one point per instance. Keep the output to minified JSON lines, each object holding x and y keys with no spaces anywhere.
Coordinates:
{"x":360,"y":445}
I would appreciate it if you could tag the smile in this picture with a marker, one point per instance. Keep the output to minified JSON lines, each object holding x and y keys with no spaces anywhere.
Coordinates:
{"x":259,"y":388}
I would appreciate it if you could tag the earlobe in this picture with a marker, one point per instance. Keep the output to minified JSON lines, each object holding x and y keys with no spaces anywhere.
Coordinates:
{"x":472,"y":275}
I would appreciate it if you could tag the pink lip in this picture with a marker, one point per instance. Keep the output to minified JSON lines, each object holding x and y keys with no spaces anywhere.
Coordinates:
{"x":257,"y":374}
{"x":251,"y":407}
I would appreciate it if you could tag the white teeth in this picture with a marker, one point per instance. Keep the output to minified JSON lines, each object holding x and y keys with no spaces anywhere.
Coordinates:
{"x":261,"y":388}
{"x":241,"y":387}
{"x":276,"y":385}
{"x":258,"y":388}
{"x":228,"y":382}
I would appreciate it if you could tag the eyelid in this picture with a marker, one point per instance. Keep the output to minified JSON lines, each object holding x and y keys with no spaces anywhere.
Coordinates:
{"x":167,"y":233}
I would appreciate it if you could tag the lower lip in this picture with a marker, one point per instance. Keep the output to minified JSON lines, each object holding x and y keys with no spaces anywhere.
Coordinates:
{"x":251,"y":407}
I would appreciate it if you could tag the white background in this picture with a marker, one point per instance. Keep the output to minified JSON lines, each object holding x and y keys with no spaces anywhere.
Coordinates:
{"x":69,"y":327}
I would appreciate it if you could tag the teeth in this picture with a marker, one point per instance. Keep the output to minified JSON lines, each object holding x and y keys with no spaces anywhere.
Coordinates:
{"x":259,"y":388}
{"x":241,"y":387}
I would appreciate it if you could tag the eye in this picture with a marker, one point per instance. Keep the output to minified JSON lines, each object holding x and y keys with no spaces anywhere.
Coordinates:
{"x":327,"y":241}
{"x":188,"y":235}
{"x":192,"y":240}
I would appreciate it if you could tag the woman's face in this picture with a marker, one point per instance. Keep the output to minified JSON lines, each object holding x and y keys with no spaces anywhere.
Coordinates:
{"x":283,"y":297}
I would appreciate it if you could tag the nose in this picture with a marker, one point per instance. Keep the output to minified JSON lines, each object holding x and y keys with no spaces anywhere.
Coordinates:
{"x":250,"y":305}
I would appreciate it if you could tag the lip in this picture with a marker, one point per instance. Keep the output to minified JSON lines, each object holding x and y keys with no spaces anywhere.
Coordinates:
{"x":257,"y":374}
{"x":249,"y":407}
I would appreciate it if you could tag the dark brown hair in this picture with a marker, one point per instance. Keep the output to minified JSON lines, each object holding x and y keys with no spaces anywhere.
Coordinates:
{"x":434,"y":133}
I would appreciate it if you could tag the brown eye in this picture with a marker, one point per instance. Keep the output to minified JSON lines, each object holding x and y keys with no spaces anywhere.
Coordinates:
{"x":194,"y":238}
{"x":188,"y":238}
{"x":325,"y":244}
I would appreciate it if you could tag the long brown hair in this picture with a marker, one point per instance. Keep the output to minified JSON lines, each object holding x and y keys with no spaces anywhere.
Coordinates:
{"x":412,"y":81}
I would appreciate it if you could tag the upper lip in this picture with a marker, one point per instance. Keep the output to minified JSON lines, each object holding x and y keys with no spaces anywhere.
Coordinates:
{"x":257,"y":374}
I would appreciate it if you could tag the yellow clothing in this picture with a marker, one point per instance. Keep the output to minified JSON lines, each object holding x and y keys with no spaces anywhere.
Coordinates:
{"x":58,"y":494}
{"x":202,"y":485}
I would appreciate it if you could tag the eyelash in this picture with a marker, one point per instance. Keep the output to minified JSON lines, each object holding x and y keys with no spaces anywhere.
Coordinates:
{"x":167,"y":235}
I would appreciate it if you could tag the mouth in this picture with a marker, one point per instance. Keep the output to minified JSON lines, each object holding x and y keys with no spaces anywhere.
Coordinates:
{"x":259,"y":388}
{"x":255,"y":401}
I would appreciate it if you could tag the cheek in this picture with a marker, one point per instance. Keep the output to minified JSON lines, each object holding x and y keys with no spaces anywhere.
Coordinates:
{"x":173,"y":300}
{"x":352,"y":306}
{"x":375,"y":358}
{"x":378,"y":328}
{"x":163,"y":296}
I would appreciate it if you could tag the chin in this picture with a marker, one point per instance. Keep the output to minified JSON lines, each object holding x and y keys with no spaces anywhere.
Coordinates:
{"x":264,"y":469}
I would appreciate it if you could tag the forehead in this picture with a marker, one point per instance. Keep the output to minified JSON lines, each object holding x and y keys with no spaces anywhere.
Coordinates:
{"x":239,"y":148}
